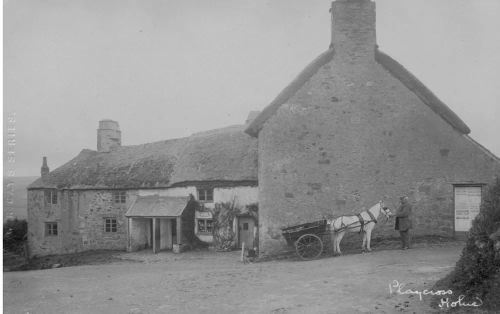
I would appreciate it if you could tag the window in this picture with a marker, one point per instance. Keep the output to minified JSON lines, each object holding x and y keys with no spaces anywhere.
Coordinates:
{"x":110,"y":224}
{"x":245,"y":226}
{"x":120,"y":197}
{"x":51,"y":228}
{"x":205,"y":226}
{"x":51,"y":196}
{"x":206,"y":195}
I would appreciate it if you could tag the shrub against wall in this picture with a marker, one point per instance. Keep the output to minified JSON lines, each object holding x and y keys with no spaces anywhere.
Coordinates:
{"x":478,"y":269}
{"x":223,"y":216}
{"x":478,"y":262}
{"x":14,"y":235}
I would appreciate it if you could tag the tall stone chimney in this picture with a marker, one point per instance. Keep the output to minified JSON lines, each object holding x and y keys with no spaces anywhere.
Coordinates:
{"x":353,"y":29}
{"x":45,"y":168}
{"x":109,"y":136}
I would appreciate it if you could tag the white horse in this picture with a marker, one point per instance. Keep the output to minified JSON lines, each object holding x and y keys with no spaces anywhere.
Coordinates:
{"x":363,"y":222}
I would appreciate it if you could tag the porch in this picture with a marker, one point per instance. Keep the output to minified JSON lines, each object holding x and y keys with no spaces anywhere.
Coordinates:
{"x":159,"y":223}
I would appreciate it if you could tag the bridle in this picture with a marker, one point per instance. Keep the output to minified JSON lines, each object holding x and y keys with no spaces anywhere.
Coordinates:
{"x":384,"y":209}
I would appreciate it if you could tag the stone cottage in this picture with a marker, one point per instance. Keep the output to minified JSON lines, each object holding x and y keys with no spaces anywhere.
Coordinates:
{"x":356,"y":127}
{"x":353,"y":128}
{"x":160,"y":195}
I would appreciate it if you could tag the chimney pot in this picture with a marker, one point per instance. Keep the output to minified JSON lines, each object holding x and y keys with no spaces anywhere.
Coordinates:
{"x":109,"y":136}
{"x":45,"y":168}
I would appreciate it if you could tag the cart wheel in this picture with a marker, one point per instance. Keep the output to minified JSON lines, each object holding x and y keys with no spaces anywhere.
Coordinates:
{"x":308,"y":246}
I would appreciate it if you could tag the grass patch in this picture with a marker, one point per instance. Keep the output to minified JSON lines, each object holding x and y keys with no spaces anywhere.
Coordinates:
{"x":66,"y":260}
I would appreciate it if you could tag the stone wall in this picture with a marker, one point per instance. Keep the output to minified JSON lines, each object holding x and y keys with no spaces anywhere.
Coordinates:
{"x":80,"y":215}
{"x":351,"y":136}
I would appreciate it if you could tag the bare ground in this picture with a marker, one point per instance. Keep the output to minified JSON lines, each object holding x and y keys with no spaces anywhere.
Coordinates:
{"x":212,"y":282}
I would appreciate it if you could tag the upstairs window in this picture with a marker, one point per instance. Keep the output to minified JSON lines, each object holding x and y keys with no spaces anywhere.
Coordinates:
{"x":51,"y":228}
{"x":206,"y":195}
{"x":51,"y":196}
{"x":110,"y":225}
{"x":119,"y":197}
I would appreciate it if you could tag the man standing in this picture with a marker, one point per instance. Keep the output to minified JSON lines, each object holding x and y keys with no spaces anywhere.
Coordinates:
{"x":403,"y":222}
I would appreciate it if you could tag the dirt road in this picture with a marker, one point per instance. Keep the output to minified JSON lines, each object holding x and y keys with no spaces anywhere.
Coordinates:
{"x":209,"y":282}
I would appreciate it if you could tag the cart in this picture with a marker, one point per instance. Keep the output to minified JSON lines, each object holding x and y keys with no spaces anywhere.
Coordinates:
{"x":306,"y":238}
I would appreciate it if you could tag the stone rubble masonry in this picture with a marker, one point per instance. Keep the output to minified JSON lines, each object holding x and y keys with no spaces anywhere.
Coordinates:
{"x":353,"y":135}
{"x":80,"y":215}
{"x":109,"y":136}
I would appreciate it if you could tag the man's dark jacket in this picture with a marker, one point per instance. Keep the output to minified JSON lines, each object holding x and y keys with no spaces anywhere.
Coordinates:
{"x":403,"y":219}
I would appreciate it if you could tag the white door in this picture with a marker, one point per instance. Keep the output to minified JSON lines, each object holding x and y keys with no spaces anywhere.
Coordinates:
{"x":467,"y":204}
{"x":246,"y":230}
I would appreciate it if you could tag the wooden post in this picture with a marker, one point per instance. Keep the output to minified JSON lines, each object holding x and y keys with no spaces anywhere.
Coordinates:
{"x":179,"y":230}
{"x":242,"y":251}
{"x":153,"y":232}
{"x":128,"y":235}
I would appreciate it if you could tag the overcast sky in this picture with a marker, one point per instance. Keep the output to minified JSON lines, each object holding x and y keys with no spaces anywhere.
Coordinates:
{"x":166,"y":69}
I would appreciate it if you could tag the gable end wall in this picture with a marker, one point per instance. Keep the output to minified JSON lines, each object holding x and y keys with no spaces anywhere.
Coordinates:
{"x":351,"y":136}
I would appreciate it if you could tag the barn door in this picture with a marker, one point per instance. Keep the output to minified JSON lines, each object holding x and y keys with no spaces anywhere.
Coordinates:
{"x":467,"y":204}
{"x":246,"y":226}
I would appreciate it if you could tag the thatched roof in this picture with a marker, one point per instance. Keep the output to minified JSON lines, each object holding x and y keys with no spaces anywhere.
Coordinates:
{"x":425,"y":94}
{"x":391,"y":65}
{"x":157,"y":206}
{"x":256,"y":125}
{"x":226,"y":154}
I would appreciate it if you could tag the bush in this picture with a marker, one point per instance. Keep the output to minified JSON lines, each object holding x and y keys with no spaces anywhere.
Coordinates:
{"x":14,"y":235}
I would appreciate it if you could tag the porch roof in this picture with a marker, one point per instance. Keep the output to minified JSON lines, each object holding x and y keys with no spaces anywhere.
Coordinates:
{"x":157,"y":206}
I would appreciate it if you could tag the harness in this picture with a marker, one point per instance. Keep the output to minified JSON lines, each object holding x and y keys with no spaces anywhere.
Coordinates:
{"x":371,"y":216}
{"x":362,"y":221}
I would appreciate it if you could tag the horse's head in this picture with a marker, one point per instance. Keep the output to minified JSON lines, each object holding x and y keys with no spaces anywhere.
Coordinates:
{"x":385,"y":210}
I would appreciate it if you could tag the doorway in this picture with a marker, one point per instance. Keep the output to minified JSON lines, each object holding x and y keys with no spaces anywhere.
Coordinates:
{"x":467,"y":205}
{"x":247,"y":231}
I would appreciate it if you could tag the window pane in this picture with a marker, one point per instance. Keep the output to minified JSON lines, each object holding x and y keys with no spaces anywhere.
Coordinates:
{"x":201,"y":195}
{"x":54,"y":197}
{"x":205,"y":194}
{"x":209,"y":225}
{"x":210,"y":195}
{"x":51,"y":228}
{"x":201,"y":225}
{"x":110,"y":225}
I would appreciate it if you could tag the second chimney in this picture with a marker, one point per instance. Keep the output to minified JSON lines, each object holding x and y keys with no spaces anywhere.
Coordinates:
{"x":353,"y":29}
{"x":44,"y":171}
{"x":109,"y":136}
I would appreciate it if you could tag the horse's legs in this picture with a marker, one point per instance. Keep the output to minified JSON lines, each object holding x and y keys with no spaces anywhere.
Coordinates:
{"x":368,"y":239}
{"x":333,"y":240}
{"x":340,"y":235}
{"x":364,"y":242}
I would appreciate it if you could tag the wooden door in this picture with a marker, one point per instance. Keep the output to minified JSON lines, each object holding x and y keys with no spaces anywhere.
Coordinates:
{"x":467,"y":204}
{"x":246,"y":226}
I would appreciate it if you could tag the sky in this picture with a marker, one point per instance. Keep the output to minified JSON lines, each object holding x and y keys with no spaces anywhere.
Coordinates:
{"x":167,"y":69}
